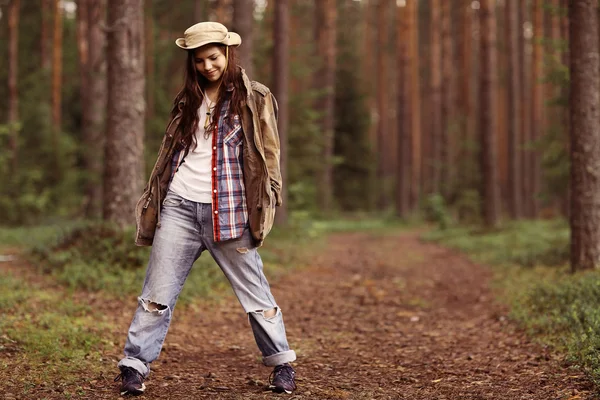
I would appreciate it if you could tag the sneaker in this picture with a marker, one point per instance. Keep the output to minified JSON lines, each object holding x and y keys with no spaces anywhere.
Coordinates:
{"x":282,"y":379}
{"x":132,"y":382}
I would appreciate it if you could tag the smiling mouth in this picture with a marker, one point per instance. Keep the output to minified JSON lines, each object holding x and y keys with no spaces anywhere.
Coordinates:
{"x":211,"y":73}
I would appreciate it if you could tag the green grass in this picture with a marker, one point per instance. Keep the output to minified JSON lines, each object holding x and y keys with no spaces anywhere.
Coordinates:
{"x":524,"y":243}
{"x":530,"y":261}
{"x":46,"y":337}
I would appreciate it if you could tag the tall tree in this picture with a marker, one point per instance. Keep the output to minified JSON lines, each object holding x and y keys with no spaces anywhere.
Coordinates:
{"x":525,"y":51}
{"x":125,"y":125}
{"x":465,"y":103}
{"x":93,"y":132}
{"x":448,"y":109}
{"x":46,"y":19}
{"x":222,"y":11}
{"x":13,"y":70}
{"x":538,"y":125}
{"x":150,"y":44}
{"x":513,"y":31}
{"x":383,"y":9}
{"x":325,"y":39}
{"x":415,"y":99}
{"x":435,"y":162}
{"x":403,"y":144}
{"x":281,"y":79}
{"x":243,"y":23}
{"x":57,"y":71}
{"x":489,"y":165}
{"x":199,"y":11}
{"x":585,"y":134}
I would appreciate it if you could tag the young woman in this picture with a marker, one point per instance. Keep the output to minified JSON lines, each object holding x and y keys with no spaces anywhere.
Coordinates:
{"x":214,"y":187}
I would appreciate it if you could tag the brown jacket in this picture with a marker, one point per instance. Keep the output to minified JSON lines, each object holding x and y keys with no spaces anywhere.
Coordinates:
{"x":262,"y":175}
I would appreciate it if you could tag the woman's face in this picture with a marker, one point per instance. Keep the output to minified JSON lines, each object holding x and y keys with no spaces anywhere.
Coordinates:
{"x":210,"y":62}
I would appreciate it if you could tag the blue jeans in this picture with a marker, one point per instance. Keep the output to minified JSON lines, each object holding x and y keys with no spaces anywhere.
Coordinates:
{"x":186,"y":231}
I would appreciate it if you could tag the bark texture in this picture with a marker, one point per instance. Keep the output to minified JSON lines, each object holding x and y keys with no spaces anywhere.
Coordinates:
{"x":514,"y":103}
{"x":126,"y":107}
{"x":13,"y":70}
{"x":281,"y":78}
{"x":93,"y":132}
{"x":489,"y":164}
{"x":538,"y":125}
{"x":448,"y":110}
{"x":403,"y":148}
{"x":415,"y":100}
{"x":57,"y":71}
{"x":383,"y":9}
{"x":243,"y":23}
{"x":585,"y":134}
{"x":435,"y":113}
{"x":325,"y":39}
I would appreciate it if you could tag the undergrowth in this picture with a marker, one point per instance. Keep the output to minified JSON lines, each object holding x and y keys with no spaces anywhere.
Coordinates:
{"x":530,"y":260}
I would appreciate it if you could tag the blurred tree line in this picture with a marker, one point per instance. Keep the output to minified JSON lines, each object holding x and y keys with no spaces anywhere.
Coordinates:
{"x":459,"y":108}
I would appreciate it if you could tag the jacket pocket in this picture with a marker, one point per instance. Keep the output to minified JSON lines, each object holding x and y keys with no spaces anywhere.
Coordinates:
{"x":234,"y":133}
{"x":146,"y":216}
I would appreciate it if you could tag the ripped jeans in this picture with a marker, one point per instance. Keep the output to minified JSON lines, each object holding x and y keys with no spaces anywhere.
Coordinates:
{"x":185,"y":232}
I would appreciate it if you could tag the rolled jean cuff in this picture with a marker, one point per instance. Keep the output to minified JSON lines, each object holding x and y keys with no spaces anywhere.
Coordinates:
{"x":279,"y":358}
{"x":136,"y":364}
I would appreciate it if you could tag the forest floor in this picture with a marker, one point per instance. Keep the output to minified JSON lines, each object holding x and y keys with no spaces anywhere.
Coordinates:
{"x":375,"y":316}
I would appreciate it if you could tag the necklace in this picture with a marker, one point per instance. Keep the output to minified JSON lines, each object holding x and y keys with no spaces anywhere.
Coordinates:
{"x":209,"y":108}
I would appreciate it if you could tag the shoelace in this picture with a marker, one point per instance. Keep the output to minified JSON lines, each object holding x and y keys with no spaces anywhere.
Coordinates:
{"x":285,"y":371}
{"x":123,"y":374}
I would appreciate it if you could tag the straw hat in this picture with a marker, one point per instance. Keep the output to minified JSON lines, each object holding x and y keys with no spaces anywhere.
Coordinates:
{"x":207,"y":32}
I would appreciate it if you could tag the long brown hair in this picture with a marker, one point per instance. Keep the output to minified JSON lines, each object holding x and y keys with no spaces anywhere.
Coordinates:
{"x":231,"y":87}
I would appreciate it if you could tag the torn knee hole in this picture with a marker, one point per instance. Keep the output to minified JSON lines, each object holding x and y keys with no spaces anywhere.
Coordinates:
{"x":151,"y":306}
{"x":242,"y":250}
{"x":268,"y":313}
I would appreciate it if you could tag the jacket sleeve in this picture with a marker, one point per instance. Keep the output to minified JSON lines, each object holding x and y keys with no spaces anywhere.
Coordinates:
{"x":271,"y":145}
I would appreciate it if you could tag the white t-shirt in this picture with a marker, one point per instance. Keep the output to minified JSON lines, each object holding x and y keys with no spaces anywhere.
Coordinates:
{"x":192,"y":180}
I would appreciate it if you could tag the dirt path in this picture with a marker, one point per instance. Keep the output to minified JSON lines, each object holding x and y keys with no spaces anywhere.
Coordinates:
{"x":383,"y":317}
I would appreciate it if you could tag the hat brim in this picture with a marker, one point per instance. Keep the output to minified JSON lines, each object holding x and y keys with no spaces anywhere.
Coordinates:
{"x":232,"y":39}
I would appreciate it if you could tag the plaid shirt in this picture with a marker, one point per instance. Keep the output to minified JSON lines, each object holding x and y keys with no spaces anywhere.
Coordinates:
{"x":230,"y":212}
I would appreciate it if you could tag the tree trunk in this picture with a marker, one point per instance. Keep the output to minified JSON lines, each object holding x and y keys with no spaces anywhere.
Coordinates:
{"x":93,"y":133}
{"x":525,"y":49}
{"x":13,"y":70}
{"x":325,"y":39}
{"x":490,"y":184}
{"x":403,"y":144}
{"x":124,"y":155}
{"x":82,"y":30}
{"x":585,"y":134}
{"x":383,"y":10}
{"x":467,"y":79}
{"x":368,"y":65}
{"x":448,"y":108}
{"x":281,"y":60}
{"x":149,"y":43}
{"x":57,"y":73}
{"x":435,"y":161}
{"x":45,"y":35}
{"x":564,"y":33}
{"x":222,"y":12}
{"x":415,"y":102}
{"x":538,"y":125}
{"x":243,"y":23}
{"x":501,"y":104}
{"x":513,"y":30}
{"x":199,"y":11}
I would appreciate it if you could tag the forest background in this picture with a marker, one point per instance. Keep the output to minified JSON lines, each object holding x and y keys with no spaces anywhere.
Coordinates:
{"x":479,"y":118}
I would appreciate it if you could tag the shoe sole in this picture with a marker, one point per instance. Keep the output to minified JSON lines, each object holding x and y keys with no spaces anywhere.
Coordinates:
{"x":135,"y":392}
{"x":279,"y":390}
